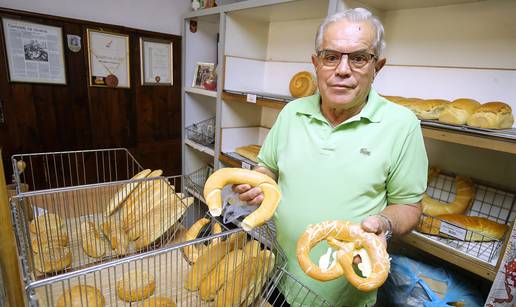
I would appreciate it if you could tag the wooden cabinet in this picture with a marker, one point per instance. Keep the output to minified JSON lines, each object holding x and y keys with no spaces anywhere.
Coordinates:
{"x":435,"y":49}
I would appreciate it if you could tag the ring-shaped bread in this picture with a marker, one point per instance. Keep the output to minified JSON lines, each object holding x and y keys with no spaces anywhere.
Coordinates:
{"x":346,"y":233}
{"x":224,"y":176}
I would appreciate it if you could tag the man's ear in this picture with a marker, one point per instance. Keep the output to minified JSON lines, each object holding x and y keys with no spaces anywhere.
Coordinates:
{"x":315,"y":60}
{"x":379,"y":64}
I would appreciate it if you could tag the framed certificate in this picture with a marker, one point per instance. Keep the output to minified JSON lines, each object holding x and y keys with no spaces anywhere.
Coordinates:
{"x":156,"y":61}
{"x":34,"y":52}
{"x":108,"y":56}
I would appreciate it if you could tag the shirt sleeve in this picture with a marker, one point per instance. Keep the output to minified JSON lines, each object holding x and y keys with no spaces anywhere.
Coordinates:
{"x":406,"y":181}
{"x":268,"y":156}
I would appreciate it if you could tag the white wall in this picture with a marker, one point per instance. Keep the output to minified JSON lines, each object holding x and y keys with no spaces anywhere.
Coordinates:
{"x":154,"y":15}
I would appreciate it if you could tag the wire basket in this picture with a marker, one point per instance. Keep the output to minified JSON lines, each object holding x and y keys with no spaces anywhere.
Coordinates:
{"x":195,"y":181}
{"x":491,"y":203}
{"x":202,"y":132}
{"x":51,"y":170}
{"x":77,"y":227}
{"x":166,"y":273}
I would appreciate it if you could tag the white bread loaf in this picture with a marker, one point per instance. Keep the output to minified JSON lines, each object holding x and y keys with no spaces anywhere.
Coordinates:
{"x":492,"y":115}
{"x":428,"y":108}
{"x":458,"y":111}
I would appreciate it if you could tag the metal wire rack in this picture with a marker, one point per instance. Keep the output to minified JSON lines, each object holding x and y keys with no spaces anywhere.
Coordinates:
{"x":195,"y":181}
{"x":247,"y":269}
{"x":491,"y":203}
{"x":80,"y":227}
{"x":202,"y":132}
{"x":72,"y":168}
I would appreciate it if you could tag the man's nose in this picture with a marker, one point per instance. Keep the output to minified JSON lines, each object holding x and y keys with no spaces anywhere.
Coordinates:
{"x":343,"y":68}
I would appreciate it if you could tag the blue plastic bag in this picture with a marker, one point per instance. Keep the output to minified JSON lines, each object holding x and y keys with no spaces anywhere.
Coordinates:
{"x":405,"y":287}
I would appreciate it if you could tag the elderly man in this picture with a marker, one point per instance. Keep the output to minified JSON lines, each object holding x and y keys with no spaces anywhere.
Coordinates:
{"x":343,"y":154}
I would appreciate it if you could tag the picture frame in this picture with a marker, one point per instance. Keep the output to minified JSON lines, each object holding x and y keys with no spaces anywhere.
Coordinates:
{"x":156,"y":58}
{"x":34,"y":52}
{"x":203,"y":71}
{"x":108,"y":59}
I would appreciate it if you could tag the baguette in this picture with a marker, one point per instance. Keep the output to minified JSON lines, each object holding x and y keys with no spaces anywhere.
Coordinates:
{"x":480,"y":229}
{"x":139,"y":193}
{"x":124,"y":191}
{"x":135,"y":286}
{"x":190,"y":251}
{"x":250,"y":152}
{"x":458,"y":111}
{"x":247,"y":281}
{"x":209,"y":259}
{"x":48,"y":222}
{"x":91,"y":242}
{"x":492,"y":115}
{"x":161,"y":220}
{"x":81,"y":296}
{"x":225,"y":268}
{"x":465,"y":193}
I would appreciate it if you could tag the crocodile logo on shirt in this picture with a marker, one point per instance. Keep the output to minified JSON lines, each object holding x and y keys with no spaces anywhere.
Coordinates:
{"x":365,"y":151}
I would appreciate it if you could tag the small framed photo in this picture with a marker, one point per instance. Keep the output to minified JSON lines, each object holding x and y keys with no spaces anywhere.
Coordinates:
{"x":108,"y":57}
{"x":34,"y":52}
{"x":156,"y":61}
{"x":204,"y":75}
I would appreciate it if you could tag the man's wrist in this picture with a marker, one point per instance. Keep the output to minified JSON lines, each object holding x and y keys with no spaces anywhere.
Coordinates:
{"x":388,"y":225}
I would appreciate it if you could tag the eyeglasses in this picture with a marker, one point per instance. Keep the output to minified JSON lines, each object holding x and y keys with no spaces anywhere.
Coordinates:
{"x":357,"y":60}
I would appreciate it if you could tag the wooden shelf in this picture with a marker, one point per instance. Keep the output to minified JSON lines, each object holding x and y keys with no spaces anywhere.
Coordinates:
{"x":201,"y":91}
{"x":199,"y":147}
{"x":450,"y":255}
{"x":234,"y":162}
{"x":464,"y":138}
{"x":263,"y":102}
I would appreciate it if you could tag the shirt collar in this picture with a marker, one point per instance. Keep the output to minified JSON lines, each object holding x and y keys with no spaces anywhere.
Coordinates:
{"x":373,"y":109}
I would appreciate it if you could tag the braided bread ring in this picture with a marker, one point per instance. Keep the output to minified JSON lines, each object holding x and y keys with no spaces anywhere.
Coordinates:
{"x":224,"y":176}
{"x":302,"y":84}
{"x":354,"y":238}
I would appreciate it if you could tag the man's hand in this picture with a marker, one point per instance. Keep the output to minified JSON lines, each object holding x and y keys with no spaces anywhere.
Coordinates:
{"x":253,"y":196}
{"x":377,"y":225}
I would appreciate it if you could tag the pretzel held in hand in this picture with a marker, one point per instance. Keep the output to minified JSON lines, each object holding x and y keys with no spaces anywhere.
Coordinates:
{"x":347,"y":238}
{"x":224,"y":176}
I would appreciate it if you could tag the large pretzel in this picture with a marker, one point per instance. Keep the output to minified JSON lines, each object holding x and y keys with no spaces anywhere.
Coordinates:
{"x":224,"y":176}
{"x":347,"y":238}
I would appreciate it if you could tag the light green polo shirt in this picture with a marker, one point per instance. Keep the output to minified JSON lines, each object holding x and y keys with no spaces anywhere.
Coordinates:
{"x":349,"y":172}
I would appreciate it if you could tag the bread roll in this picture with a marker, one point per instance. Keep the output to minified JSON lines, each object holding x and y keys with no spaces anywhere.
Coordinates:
{"x":52,"y":259}
{"x":116,"y":236}
{"x":158,"y":301}
{"x":91,"y":242}
{"x":428,"y":108}
{"x":458,"y":111}
{"x":492,"y":115}
{"x":43,"y":240}
{"x":480,"y":229}
{"x":302,"y":84}
{"x":250,"y":152}
{"x":135,"y":286}
{"x":48,"y":222}
{"x":81,"y":296}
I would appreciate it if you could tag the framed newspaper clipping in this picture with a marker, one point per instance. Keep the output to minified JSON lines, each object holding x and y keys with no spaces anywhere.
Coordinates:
{"x":108,"y":57}
{"x":34,"y":52}
{"x":156,"y":61}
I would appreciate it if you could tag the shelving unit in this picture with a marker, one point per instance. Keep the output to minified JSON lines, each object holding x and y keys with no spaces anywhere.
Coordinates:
{"x":433,"y":51}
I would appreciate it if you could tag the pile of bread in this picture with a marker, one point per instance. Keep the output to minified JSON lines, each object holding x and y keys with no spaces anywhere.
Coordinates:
{"x":134,"y":286}
{"x":139,"y":213}
{"x":462,"y":111}
{"x":230,"y":272}
{"x":435,"y":212}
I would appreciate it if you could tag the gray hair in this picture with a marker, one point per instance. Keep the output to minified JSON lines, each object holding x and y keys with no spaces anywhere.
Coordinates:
{"x":354,"y":15}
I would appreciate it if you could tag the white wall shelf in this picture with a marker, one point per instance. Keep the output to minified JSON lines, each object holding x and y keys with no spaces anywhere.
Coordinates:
{"x":200,"y":91}
{"x":200,"y":147}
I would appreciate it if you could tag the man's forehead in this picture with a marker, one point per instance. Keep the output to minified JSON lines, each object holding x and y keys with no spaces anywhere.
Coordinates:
{"x":348,"y":32}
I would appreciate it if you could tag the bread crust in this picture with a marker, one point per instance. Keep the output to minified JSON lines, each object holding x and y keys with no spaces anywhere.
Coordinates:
{"x":135,"y":286}
{"x":81,"y":296}
{"x":492,"y":115}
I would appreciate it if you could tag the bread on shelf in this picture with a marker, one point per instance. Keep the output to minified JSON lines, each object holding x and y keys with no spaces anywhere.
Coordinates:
{"x":81,"y":296}
{"x":250,"y":152}
{"x":48,"y":222}
{"x":428,"y":108}
{"x":458,"y":111}
{"x":43,"y":240}
{"x":135,"y":286}
{"x":52,"y":259}
{"x":492,"y":115}
{"x":479,"y":228}
{"x":465,"y":193}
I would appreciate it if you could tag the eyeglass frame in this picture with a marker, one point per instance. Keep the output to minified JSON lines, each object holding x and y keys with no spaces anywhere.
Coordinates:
{"x":373,"y":57}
